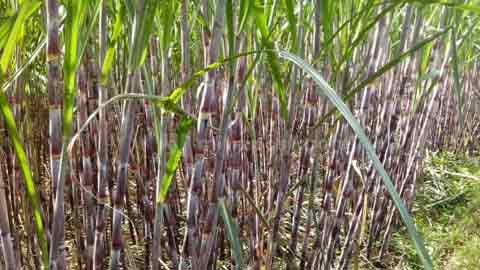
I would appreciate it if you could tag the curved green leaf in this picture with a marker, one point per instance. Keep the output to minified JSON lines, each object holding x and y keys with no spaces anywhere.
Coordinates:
{"x":327,"y":91}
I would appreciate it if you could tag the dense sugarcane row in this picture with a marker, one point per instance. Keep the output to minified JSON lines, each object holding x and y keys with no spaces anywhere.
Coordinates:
{"x":295,"y":180}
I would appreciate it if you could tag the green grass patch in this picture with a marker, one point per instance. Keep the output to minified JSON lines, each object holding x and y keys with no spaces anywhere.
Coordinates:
{"x":447,"y":212}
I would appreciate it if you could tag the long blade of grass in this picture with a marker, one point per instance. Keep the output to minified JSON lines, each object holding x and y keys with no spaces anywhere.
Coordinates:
{"x":232,"y":233}
{"x":27,"y":9}
{"x":327,"y":91}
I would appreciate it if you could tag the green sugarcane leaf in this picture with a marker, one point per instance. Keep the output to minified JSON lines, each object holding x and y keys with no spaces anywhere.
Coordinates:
{"x":260,"y":19}
{"x":143,"y":28}
{"x":184,"y":126}
{"x":107,"y":65}
{"x":261,"y":23}
{"x":110,"y":54}
{"x":363,"y":14}
{"x":117,"y":27}
{"x":459,"y":6}
{"x":93,"y":23}
{"x":15,"y":33}
{"x":230,"y":30}
{"x":326,"y":18}
{"x":20,"y":70}
{"x":326,"y":8}
{"x":232,"y":232}
{"x":425,"y":57}
{"x":129,"y":5}
{"x":167,"y":19}
{"x":168,"y":105}
{"x":27,"y":176}
{"x":5,"y":30}
{"x":326,"y":90}
{"x":292,"y":22}
{"x":245,"y":9}
{"x":466,"y":7}
{"x":74,"y":20}
{"x":76,"y":15}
